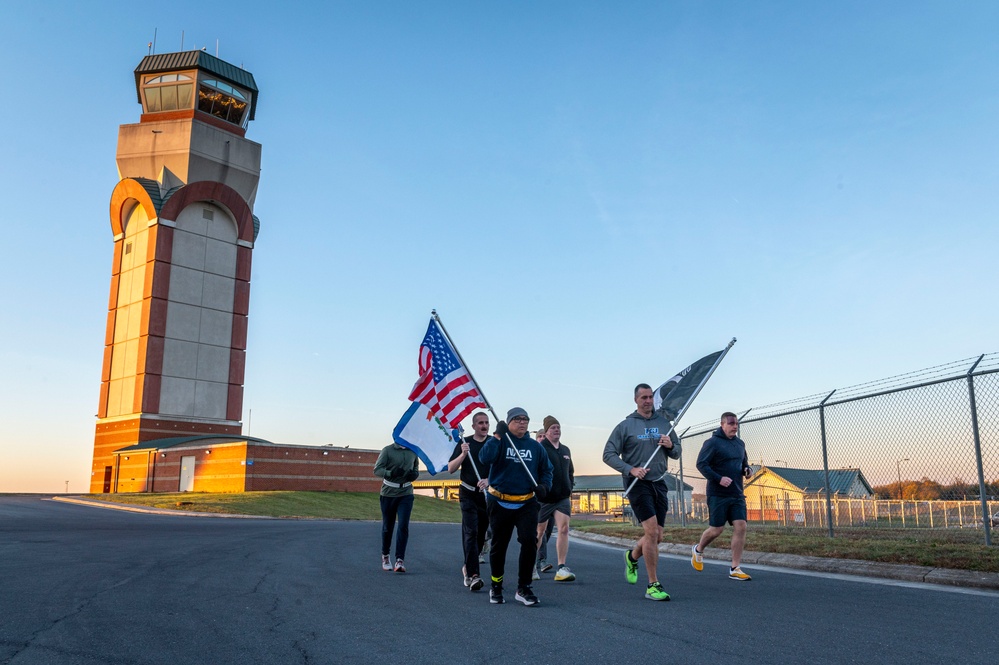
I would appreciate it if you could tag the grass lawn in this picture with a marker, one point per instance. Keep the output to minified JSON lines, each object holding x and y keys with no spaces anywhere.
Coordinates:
{"x":962,"y":549}
{"x":942,"y":548}
{"x":327,"y":505}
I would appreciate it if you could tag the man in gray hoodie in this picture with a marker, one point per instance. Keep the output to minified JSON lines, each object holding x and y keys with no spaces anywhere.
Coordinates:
{"x":629,"y":447}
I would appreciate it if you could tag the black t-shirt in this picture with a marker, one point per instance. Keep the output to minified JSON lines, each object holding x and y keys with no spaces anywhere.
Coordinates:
{"x":467,"y":472}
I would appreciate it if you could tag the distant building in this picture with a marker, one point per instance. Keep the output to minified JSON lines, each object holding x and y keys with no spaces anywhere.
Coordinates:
{"x":780,"y":493}
{"x":591,"y":494}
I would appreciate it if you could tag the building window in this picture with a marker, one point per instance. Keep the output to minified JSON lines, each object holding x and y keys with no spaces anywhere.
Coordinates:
{"x":168,"y":92}
{"x":222,"y":101}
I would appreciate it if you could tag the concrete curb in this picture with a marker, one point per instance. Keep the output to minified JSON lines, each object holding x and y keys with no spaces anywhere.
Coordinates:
{"x":111,"y":505}
{"x":888,"y":571}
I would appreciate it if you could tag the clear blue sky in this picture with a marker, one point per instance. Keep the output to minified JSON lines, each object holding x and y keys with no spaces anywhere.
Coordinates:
{"x":590,"y":194}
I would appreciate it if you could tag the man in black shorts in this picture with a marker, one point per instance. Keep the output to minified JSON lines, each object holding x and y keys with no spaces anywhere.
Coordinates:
{"x":630,"y":445}
{"x":472,"y":498}
{"x":724,"y":464}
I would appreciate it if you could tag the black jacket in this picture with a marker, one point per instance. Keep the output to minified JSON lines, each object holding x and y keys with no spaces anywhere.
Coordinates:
{"x":720,"y":457}
{"x":562,"y":472}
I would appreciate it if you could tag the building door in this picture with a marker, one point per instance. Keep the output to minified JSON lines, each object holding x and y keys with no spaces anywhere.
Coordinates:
{"x":187,"y":474}
{"x":107,"y":480}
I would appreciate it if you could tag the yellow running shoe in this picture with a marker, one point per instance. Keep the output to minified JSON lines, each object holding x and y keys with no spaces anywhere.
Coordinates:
{"x":696,"y":558}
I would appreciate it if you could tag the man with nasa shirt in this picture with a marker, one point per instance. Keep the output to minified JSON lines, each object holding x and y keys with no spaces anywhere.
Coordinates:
{"x":630,"y":445}
{"x":511,"y":500}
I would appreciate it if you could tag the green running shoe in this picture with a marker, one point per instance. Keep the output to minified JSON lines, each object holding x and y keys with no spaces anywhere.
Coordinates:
{"x":655,"y":592}
{"x":630,"y":568}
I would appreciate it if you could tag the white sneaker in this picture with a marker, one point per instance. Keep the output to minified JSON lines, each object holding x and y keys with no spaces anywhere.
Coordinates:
{"x":385,"y":562}
{"x":535,"y":575}
{"x":563,"y":574}
{"x":737,"y":574}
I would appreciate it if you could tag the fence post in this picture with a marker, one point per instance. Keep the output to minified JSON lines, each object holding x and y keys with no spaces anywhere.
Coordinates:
{"x":683,"y":498}
{"x":825,"y":461}
{"x":986,"y":515}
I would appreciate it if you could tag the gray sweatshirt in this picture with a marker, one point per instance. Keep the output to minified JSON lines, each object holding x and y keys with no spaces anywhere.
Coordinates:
{"x":633,"y":441}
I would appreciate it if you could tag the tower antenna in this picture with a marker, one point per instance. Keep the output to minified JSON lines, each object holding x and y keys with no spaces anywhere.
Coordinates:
{"x":152,"y":46}
{"x":181,"y":40}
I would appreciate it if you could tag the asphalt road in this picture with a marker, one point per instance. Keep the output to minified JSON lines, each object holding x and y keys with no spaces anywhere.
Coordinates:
{"x":83,"y":585}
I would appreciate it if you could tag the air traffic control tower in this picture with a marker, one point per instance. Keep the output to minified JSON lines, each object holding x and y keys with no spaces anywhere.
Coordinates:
{"x":183,"y":227}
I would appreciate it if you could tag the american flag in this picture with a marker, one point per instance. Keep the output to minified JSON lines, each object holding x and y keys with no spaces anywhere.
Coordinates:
{"x":444,"y":385}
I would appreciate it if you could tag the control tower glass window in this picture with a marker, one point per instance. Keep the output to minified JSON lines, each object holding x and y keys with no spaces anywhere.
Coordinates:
{"x":168,"y":92}
{"x":223,"y":101}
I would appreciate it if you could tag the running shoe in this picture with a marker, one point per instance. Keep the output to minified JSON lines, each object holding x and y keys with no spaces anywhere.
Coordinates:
{"x":544,"y":566}
{"x":630,"y":568}
{"x":464,"y":573}
{"x":696,"y":558}
{"x":535,"y":575}
{"x":400,"y":567}
{"x":526,"y":595}
{"x":476,"y":583}
{"x":385,"y":562}
{"x":563,"y":574}
{"x":496,"y":595}
{"x":737,"y":574}
{"x":655,"y":592}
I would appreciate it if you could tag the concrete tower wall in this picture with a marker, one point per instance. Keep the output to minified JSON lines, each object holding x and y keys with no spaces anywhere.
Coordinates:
{"x":196,"y":353}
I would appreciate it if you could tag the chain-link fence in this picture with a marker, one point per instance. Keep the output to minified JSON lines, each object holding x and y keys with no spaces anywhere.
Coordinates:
{"x":919,"y":450}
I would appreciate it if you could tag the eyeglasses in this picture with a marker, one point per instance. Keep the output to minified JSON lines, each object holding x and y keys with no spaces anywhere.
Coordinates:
{"x":520,"y":419}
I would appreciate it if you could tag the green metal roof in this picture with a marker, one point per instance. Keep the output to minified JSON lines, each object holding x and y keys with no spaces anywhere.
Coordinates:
{"x":604,"y":483}
{"x":172,"y":442}
{"x":152,"y":188}
{"x":811,"y":481}
{"x":440,"y":477}
{"x":169,"y":62}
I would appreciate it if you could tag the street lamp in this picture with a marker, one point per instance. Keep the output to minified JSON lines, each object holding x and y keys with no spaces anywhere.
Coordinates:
{"x":898,"y":470}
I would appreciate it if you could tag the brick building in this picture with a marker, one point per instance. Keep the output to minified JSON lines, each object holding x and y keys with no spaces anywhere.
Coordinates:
{"x":239,"y":464}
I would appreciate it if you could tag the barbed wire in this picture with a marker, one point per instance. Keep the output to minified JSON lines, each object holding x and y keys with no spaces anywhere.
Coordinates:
{"x":947,"y":371}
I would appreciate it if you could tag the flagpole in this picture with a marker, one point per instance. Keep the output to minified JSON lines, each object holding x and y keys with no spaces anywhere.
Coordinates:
{"x":684,"y":410}
{"x":454,"y":348}
{"x":683,"y":502}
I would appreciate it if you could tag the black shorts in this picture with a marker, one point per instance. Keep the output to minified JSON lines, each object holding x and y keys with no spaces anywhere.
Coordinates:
{"x":648,"y":499}
{"x":722,"y":509}
{"x":548,"y":510}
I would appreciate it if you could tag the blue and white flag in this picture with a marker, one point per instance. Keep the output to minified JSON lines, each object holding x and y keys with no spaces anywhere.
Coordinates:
{"x":424,"y":433}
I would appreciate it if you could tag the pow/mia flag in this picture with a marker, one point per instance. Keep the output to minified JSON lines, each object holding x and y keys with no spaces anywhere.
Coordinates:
{"x":672,"y":396}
